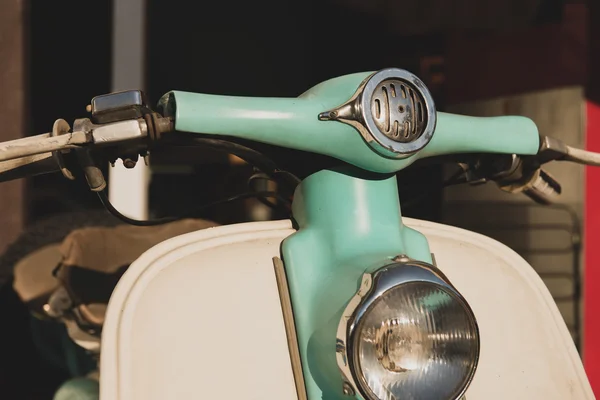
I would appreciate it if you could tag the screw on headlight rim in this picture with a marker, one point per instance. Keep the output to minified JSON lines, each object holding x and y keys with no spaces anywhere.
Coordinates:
{"x":348,"y":390}
{"x":402,"y":258}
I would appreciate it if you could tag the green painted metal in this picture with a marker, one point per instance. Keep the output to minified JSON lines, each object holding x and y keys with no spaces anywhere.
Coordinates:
{"x":349,"y":219}
{"x":349,"y":222}
{"x":78,"y":389}
{"x":294,"y":123}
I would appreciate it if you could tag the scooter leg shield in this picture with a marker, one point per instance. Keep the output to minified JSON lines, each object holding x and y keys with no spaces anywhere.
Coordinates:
{"x":199,"y":315}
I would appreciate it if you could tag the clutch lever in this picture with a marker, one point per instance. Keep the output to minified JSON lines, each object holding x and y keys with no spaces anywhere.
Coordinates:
{"x":121,"y":126}
{"x":46,"y":153}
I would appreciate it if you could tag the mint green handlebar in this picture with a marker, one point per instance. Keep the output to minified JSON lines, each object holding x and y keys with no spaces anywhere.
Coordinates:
{"x":294,"y":123}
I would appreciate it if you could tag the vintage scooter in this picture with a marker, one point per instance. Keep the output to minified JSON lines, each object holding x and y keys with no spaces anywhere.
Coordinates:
{"x":347,"y":299}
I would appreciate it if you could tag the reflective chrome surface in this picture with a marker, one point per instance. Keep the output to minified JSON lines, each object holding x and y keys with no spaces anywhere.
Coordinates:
{"x":398,"y":111}
{"x":119,"y":131}
{"x":393,"y":111}
{"x":407,"y":333}
{"x":290,"y":327}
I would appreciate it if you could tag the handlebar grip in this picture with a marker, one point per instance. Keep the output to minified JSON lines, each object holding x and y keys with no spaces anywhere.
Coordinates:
{"x":44,"y":143}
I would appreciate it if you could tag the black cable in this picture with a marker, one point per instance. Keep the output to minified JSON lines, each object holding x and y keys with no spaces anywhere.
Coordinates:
{"x":285,"y":205}
{"x":159,"y":221}
{"x":251,"y":156}
{"x":265,"y":201}
{"x":454,"y":179}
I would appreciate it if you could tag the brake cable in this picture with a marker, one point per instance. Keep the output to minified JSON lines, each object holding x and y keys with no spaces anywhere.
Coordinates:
{"x":159,"y":221}
{"x":251,"y":156}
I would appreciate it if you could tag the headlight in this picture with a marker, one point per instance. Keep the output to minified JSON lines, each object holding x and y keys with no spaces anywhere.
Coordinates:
{"x":407,"y":334}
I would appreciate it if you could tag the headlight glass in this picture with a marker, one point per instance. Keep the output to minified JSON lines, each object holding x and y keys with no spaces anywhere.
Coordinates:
{"x":417,"y":340}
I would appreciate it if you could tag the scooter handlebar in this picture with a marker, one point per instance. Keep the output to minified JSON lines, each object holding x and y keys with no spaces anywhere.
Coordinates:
{"x":124,"y":123}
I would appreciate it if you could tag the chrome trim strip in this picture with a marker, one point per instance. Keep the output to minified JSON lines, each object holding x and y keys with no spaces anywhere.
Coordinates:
{"x":290,"y":327}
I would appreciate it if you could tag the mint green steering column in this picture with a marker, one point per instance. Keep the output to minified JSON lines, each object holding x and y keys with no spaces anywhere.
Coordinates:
{"x":349,"y":221}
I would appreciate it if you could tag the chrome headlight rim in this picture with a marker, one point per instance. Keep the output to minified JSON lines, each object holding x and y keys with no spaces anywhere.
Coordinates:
{"x":401,"y":270}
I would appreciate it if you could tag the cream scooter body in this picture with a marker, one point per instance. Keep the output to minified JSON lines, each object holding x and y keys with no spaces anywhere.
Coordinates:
{"x":199,"y":316}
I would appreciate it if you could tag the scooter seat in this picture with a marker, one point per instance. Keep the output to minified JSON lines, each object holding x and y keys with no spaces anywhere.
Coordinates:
{"x":91,"y":261}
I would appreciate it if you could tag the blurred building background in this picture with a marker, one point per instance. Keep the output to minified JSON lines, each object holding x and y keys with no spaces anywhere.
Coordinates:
{"x":479,"y":57}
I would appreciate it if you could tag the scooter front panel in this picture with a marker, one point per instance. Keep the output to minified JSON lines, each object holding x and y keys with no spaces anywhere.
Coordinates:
{"x":199,"y":316}
{"x":154,"y":335}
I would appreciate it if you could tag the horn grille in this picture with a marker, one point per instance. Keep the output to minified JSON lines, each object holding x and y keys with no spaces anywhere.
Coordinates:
{"x":398,"y":110}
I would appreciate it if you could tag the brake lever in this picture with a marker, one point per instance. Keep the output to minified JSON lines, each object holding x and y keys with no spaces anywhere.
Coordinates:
{"x":513,"y":174}
{"x":536,"y":184}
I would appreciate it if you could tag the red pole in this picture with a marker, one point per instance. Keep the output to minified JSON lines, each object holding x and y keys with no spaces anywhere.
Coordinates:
{"x":591,"y":293}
